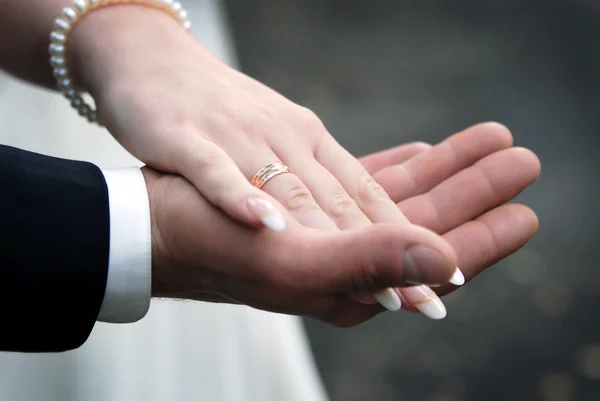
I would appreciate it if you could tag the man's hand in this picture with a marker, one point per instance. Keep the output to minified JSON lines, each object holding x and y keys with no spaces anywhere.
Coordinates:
{"x":199,"y":253}
{"x":460,"y":189}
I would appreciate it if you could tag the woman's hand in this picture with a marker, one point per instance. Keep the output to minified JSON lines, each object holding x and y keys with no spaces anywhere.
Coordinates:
{"x":180,"y":110}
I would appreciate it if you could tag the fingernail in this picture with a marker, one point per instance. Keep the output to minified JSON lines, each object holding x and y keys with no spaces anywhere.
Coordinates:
{"x":424,"y":265}
{"x":457,"y":278}
{"x":426,"y":301}
{"x":267,"y":214}
{"x":388,"y":299}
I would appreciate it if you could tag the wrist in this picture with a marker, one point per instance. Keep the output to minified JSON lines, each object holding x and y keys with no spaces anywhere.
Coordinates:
{"x":161,"y":286}
{"x":111,"y":43}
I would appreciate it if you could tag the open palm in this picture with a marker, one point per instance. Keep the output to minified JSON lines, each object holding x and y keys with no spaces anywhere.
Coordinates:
{"x":460,"y":189}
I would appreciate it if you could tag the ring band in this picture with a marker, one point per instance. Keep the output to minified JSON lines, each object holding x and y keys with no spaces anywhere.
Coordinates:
{"x":266,"y":173}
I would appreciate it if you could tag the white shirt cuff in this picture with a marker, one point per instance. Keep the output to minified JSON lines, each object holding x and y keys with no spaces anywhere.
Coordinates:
{"x":129,"y":281}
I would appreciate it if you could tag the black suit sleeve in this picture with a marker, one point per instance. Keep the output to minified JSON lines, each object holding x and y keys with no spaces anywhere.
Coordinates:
{"x":54,"y":225}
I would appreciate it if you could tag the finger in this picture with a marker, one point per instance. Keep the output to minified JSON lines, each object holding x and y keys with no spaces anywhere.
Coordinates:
{"x":492,"y":181}
{"x":424,"y":300}
{"x":491,"y":238}
{"x":481,"y":243}
{"x":370,"y":197}
{"x":376,"y":204}
{"x":221,"y":182}
{"x":330,"y":196}
{"x":418,"y":298}
{"x":328,"y":192}
{"x":299,"y":200}
{"x":288,"y":188}
{"x":327,"y":265}
{"x":368,"y":259}
{"x":391,"y":157}
{"x":423,"y":172}
{"x":337,"y":203}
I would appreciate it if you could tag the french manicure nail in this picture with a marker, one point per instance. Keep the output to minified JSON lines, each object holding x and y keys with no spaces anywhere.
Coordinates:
{"x":457,"y":278}
{"x":388,"y":299}
{"x":426,"y":301}
{"x":267,"y":214}
{"x":423,"y":265}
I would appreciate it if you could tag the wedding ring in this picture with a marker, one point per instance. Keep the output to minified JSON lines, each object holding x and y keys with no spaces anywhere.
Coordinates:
{"x":268,"y":172}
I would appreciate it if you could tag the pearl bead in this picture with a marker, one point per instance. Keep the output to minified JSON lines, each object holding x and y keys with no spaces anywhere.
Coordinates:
{"x":57,"y":61}
{"x":56,"y":50}
{"x":61,"y":25}
{"x":183,"y":15}
{"x":64,"y":83}
{"x":92,"y":116}
{"x":176,"y":6}
{"x":84,"y":110}
{"x":60,"y":73}
{"x":58,"y":38}
{"x":81,"y":5}
{"x":69,"y":13}
{"x":187,"y":24}
{"x":69,"y":93}
{"x":76,"y":102}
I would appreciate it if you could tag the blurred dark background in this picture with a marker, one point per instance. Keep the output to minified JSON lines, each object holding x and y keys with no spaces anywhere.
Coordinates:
{"x":380,"y":73}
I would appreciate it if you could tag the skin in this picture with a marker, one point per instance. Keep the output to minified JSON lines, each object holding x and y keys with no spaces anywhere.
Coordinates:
{"x":328,"y":276}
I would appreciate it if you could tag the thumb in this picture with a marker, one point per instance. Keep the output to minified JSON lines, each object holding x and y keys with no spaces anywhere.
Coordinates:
{"x":382,"y":256}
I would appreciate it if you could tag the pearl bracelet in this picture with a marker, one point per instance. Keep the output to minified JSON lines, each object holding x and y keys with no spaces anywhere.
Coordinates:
{"x":71,"y":17}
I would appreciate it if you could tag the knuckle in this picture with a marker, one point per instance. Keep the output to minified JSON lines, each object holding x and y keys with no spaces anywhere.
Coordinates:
{"x":220,"y":103}
{"x":370,"y":192}
{"x":259,"y":123}
{"x":310,"y":118}
{"x":299,"y":198}
{"x":243,"y":116}
{"x":340,"y":204}
{"x":210,"y":157}
{"x":373,"y":274}
{"x":364,"y":278}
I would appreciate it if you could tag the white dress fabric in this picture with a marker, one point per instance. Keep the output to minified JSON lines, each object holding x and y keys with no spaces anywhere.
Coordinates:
{"x":180,"y":350}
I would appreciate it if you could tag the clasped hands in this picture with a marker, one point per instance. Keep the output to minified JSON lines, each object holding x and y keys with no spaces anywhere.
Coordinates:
{"x":404,"y":218}
{"x":457,"y":189}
